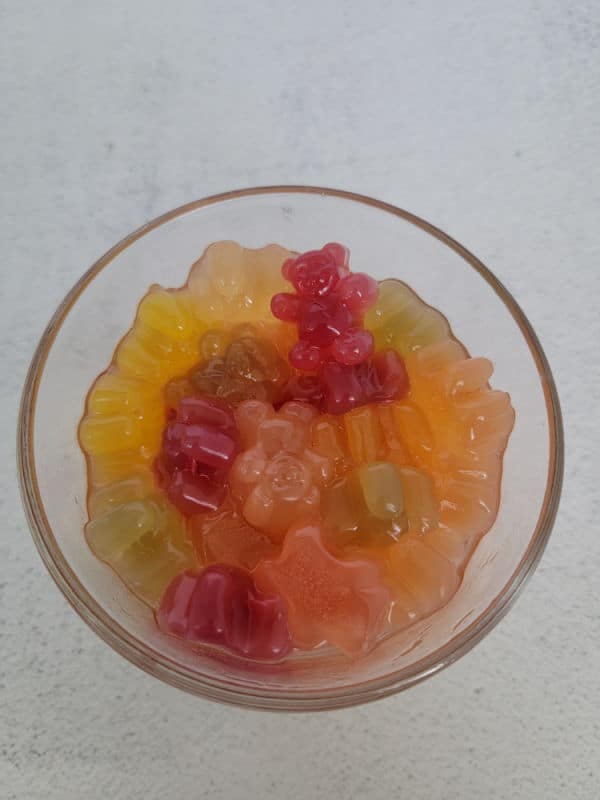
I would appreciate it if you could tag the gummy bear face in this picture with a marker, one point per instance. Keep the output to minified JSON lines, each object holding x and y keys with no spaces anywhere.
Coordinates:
{"x":278,"y":477}
{"x":327,"y":599}
{"x":232,"y":284}
{"x":327,"y":308}
{"x":239,"y":366}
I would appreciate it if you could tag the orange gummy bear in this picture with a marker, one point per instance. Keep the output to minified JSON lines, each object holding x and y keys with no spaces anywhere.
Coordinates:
{"x":278,"y":477}
{"x":328,"y":599}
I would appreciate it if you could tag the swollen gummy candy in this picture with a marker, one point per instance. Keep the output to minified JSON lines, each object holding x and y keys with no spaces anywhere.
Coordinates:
{"x":360,"y":436}
{"x":380,"y":501}
{"x":400,"y":319}
{"x":328,"y":599}
{"x":224,"y":536}
{"x":144,"y":541}
{"x":136,"y":486}
{"x":327,"y":308}
{"x":338,"y":387}
{"x":424,"y":580}
{"x":198,"y":450}
{"x":221,"y":605}
{"x":378,"y":379}
{"x":278,"y":477}
{"x":368,"y":502}
{"x":122,"y":415}
{"x":235,"y":284}
{"x":240,"y":367}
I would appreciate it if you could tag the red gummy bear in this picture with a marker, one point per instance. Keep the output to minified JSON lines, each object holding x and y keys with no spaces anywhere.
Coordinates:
{"x":327,"y":308}
{"x":338,"y":388}
{"x":198,"y":449}
{"x":383,"y":377}
{"x":316,"y":272}
{"x":222,"y":605}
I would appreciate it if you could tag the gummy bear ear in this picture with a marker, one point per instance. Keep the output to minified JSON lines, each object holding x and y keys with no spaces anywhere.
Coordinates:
{"x":340,"y":255}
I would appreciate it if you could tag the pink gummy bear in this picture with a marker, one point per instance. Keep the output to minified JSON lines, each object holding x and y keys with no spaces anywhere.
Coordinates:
{"x":278,"y":476}
{"x":198,"y":449}
{"x":222,"y":605}
{"x":327,"y":598}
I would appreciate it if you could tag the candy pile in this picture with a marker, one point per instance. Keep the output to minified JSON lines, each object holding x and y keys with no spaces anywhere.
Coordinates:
{"x":285,"y":453}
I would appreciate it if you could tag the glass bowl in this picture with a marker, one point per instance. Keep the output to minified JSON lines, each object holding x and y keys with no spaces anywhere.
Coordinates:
{"x":386,"y":241}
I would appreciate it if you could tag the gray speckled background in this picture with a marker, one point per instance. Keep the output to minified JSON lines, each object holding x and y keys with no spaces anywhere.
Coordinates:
{"x":483,"y":118}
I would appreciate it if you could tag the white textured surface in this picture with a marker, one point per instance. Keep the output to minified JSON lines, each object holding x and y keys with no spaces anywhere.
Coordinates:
{"x":483,"y":118}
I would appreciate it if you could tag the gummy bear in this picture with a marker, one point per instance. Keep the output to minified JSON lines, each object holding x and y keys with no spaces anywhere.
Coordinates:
{"x":232,"y":284}
{"x":278,"y":476}
{"x":378,"y":502}
{"x":144,"y":541}
{"x":121,"y":431}
{"x":221,"y":605}
{"x":365,"y":434}
{"x":327,"y":308}
{"x":455,"y":427}
{"x":368,"y":503}
{"x":224,"y":536}
{"x":198,"y":450}
{"x":106,"y":468}
{"x":242,"y":366}
{"x":162,"y":342}
{"x":327,"y":599}
{"x":123,"y":413}
{"x":382,"y":377}
{"x":424,"y":580}
{"x":135,"y":486}
{"x":338,"y":388}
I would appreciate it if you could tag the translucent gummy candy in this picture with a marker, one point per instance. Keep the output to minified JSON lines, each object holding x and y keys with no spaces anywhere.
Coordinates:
{"x":327,"y":308}
{"x":368,"y":502}
{"x":232,"y":284}
{"x":240,"y":366}
{"x":378,"y":502}
{"x":144,"y":541}
{"x":198,"y":450}
{"x":224,"y":536}
{"x":327,"y":598}
{"x":278,"y":477}
{"x":221,"y":605}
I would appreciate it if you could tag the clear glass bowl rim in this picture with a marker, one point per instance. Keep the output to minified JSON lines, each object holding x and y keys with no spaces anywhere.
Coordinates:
{"x":160,"y":666}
